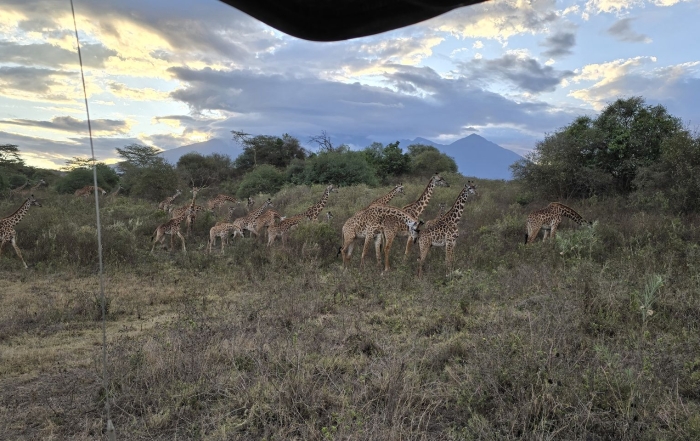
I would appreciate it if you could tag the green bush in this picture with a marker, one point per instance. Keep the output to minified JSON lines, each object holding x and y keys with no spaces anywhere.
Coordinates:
{"x":263,"y":179}
{"x":340,"y":168}
{"x":80,"y":177}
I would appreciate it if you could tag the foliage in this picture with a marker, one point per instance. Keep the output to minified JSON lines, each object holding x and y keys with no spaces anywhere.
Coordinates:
{"x":214,"y":168}
{"x":80,"y":177}
{"x":153,"y":182}
{"x":426,"y":160}
{"x":77,"y":162}
{"x":341,"y":168}
{"x":263,"y":179}
{"x":675,"y":174}
{"x":272,"y":150}
{"x":387,"y":160}
{"x":601,"y":155}
{"x":139,"y":155}
{"x":9,"y":156}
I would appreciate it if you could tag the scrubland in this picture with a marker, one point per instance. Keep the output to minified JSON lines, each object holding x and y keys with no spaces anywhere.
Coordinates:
{"x":594,"y":336}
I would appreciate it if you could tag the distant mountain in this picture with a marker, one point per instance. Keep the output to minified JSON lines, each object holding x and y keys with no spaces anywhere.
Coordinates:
{"x":214,"y":145}
{"x":475,"y":156}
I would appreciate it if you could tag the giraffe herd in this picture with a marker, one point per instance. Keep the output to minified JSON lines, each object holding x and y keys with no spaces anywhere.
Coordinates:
{"x":378,"y":221}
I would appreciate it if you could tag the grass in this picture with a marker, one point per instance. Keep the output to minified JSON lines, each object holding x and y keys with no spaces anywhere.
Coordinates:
{"x":540,"y":342}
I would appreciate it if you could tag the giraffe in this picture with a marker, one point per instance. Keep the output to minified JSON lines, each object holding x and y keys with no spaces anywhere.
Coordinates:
{"x":222,"y":230}
{"x":313,"y":211}
{"x":87,"y":191}
{"x":28,"y":191}
{"x":171,"y":227}
{"x":441,"y":211}
{"x":548,"y":219}
{"x":370,"y":222}
{"x":266,"y":220}
{"x":18,"y":191}
{"x":250,"y":222}
{"x":7,"y":224}
{"x":396,"y":228}
{"x":167,"y":203}
{"x":444,"y":230}
{"x":329,"y":216}
{"x":249,"y":204}
{"x":219,"y":200}
{"x":114,"y":194}
{"x":283,"y":228}
{"x":193,"y":208}
{"x":382,"y":200}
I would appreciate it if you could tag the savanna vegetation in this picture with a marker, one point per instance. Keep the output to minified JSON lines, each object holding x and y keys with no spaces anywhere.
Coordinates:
{"x":593,"y":336}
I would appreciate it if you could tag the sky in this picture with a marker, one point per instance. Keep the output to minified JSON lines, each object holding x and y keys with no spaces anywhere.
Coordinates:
{"x":169,"y":73}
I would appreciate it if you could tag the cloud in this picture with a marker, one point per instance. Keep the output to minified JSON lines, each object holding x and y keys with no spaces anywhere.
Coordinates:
{"x":619,"y":6}
{"x":518,"y":69}
{"x":44,"y":54}
{"x":34,"y":83}
{"x":622,"y":30}
{"x":70,"y":124}
{"x":677,"y":86}
{"x":559,"y":44}
{"x":275,"y":104}
{"x":498,"y":20}
{"x":143,"y":94}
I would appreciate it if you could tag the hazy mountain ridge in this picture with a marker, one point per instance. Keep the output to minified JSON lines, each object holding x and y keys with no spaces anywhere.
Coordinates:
{"x":475,"y":156}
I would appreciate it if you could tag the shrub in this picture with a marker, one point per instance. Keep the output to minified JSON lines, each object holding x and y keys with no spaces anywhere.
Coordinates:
{"x":263,"y":179}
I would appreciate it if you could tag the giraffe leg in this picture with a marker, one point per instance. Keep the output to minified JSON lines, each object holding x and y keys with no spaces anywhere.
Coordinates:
{"x":424,"y":246}
{"x":184,"y":250}
{"x":449,"y":254}
{"x":378,"y":248}
{"x":224,"y":239}
{"x":409,"y":244}
{"x":554,"y":230}
{"x":172,"y":240}
{"x":19,"y":254}
{"x":545,"y":234}
{"x":387,"y":250}
{"x":368,"y":240}
{"x":532,"y":231}
{"x":2,"y":245}
{"x":157,"y":235}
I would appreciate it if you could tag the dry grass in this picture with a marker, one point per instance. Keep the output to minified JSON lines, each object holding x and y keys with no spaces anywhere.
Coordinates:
{"x":520,"y":343}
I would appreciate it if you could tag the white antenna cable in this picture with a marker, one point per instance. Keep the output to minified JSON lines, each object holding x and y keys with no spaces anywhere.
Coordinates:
{"x":111,"y":435}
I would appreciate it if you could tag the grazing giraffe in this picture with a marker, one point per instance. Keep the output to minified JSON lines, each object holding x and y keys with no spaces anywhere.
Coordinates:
{"x":548,"y":219}
{"x":370,"y":222}
{"x":313,"y":211}
{"x":266,"y":220}
{"x":251,"y":221}
{"x":17,"y":191}
{"x":415,"y":209}
{"x":87,"y":191}
{"x":329,"y":216}
{"x":216,"y":202}
{"x":7,"y":224}
{"x":167,"y":203}
{"x":171,"y":227}
{"x":28,"y":191}
{"x":222,"y":230}
{"x":283,"y":228}
{"x":443,"y":232}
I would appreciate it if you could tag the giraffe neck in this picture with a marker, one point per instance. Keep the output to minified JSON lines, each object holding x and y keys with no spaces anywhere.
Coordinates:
{"x":259,"y":211}
{"x":570,"y":213}
{"x":454,"y":215}
{"x":314,"y":210}
{"x":17,"y":216}
{"x":387,"y":197}
{"x":415,"y":209}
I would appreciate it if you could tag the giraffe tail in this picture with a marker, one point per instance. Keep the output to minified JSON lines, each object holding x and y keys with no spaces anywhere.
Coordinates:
{"x":340,"y":250}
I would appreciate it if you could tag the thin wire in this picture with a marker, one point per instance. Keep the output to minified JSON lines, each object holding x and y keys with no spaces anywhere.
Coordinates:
{"x":110,"y":427}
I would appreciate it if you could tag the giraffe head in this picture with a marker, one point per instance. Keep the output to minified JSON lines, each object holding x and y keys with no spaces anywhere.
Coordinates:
{"x":250,"y":202}
{"x":41,"y":182}
{"x":33,"y":201}
{"x":471,"y":188}
{"x":399,"y":189}
{"x":329,"y":216}
{"x":413,"y":230}
{"x":331,"y":189}
{"x":439,"y":181}
{"x":103,"y":192}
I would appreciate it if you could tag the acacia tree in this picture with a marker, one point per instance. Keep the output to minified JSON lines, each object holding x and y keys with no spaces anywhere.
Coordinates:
{"x":264,"y":149}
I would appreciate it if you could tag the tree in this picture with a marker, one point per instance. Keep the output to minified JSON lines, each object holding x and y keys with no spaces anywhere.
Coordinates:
{"x":139,"y":155}
{"x":272,"y":150}
{"x":426,"y":160}
{"x":263,"y":179}
{"x":601,"y":155}
{"x":341,"y":168}
{"x":388,"y":160}
{"x":81,"y":176}
{"x":201,"y":169}
{"x":153,"y":182}
{"x":77,"y":162}
{"x":9,"y":156}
